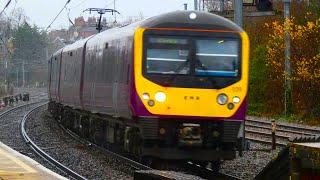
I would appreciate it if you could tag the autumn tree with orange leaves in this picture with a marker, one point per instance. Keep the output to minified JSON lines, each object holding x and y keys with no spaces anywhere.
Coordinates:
{"x":304,"y":27}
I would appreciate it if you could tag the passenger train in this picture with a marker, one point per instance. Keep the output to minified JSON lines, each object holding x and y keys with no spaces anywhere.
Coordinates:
{"x":171,"y":87}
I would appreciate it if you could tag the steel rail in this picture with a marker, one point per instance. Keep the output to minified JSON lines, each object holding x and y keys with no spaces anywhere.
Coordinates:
{"x":4,"y":113}
{"x":280,"y":130}
{"x":260,"y":140}
{"x":39,"y":151}
{"x":317,"y":131}
{"x":267,"y":134}
{"x":134,"y":164}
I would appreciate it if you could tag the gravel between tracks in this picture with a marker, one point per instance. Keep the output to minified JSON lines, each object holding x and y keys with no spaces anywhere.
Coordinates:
{"x":251,"y":163}
{"x":85,"y":160}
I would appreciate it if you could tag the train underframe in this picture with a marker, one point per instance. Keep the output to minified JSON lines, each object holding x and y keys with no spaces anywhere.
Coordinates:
{"x":149,"y":139}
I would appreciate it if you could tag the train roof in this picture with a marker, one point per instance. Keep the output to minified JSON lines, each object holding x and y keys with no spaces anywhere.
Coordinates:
{"x":176,"y":19}
{"x":57,"y":53}
{"x":76,"y":45}
{"x":182,"y":19}
{"x":110,"y":34}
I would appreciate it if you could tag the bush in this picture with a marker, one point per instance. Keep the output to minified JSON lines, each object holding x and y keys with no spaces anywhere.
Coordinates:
{"x":258,"y":79}
{"x":266,"y":95}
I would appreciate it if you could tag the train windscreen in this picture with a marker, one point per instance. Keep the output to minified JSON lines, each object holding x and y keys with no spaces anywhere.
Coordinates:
{"x":168,"y":56}
{"x":215,"y":57}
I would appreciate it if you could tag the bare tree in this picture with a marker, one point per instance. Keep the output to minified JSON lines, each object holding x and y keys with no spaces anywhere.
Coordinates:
{"x":218,"y":5}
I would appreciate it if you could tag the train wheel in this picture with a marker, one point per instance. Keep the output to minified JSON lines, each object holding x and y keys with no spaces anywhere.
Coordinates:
{"x":133,"y":142}
{"x":165,"y":164}
{"x":85,"y":129}
{"x":203,"y":164}
{"x":98,"y":132}
{"x":215,"y":165}
{"x":161,"y":164}
{"x":147,"y":160}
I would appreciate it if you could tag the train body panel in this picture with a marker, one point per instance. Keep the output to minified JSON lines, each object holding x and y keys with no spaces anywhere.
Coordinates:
{"x":71,"y":74}
{"x":55,"y":76}
{"x":49,"y":76}
{"x":108,"y":63}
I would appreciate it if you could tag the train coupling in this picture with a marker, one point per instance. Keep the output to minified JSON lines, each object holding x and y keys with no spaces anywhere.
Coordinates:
{"x":189,"y":135}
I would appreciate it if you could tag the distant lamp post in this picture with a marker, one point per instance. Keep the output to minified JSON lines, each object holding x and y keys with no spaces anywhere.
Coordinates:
{"x":4,"y":52}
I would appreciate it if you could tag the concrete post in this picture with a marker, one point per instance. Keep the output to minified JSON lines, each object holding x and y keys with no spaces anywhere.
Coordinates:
{"x":195,"y":5}
{"x":288,"y":83}
{"x":238,"y":16}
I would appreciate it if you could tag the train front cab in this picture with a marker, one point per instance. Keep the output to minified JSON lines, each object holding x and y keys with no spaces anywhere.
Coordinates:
{"x":189,"y":106}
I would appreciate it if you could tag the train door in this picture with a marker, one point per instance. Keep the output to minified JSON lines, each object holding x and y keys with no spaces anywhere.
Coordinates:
{"x":49,"y":77}
{"x":116,"y":79}
{"x":58,"y":77}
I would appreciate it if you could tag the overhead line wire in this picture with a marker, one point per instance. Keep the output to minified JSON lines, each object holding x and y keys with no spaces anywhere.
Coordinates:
{"x":58,"y":14}
{"x":8,"y":3}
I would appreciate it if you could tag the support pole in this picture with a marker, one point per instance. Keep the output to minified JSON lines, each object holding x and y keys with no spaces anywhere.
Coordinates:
{"x":222,"y":6}
{"x":238,"y":16}
{"x":5,"y":60}
{"x":23,"y":75}
{"x":17,"y":77}
{"x":195,"y":5}
{"x":203,"y":5}
{"x":288,"y":83}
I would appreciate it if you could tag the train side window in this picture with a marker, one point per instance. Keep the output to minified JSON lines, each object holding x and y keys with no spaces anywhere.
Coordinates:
{"x":107,"y":45}
{"x":71,"y":54}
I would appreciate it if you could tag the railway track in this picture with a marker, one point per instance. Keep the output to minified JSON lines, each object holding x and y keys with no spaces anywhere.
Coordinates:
{"x":41,"y":152}
{"x":192,"y":168}
{"x":25,"y":111}
{"x":260,"y":131}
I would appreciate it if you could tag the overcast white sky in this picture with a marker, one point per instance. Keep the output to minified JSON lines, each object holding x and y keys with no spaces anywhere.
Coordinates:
{"x":42,"y":12}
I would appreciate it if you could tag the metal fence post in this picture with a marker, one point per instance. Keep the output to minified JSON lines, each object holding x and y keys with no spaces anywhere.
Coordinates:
{"x":273,"y":134}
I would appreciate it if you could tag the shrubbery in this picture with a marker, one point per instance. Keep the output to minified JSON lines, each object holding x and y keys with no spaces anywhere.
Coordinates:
{"x":267,"y":62}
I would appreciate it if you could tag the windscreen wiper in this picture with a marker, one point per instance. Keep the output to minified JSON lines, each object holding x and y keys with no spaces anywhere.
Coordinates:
{"x":174,"y":76}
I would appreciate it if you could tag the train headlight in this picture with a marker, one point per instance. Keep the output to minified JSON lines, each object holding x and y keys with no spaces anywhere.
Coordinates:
{"x":193,"y":16}
{"x":222,"y":99}
{"x":160,"y":96}
{"x":236,"y":100}
{"x":145,"y":96}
